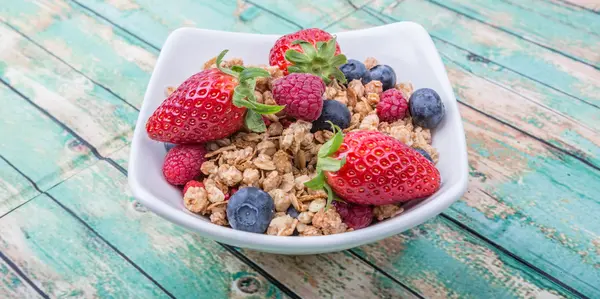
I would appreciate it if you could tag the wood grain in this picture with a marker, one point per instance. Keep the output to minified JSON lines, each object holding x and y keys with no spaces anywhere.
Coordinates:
{"x":13,"y":286}
{"x":37,"y":245}
{"x":582,"y":19}
{"x":592,"y":5}
{"x":75,"y":101}
{"x":533,"y":61}
{"x":567,"y":40}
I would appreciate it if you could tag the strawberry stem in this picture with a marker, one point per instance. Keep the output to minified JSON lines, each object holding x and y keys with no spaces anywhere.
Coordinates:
{"x":319,"y":60}
{"x":243,"y":94}
{"x":326,"y":163}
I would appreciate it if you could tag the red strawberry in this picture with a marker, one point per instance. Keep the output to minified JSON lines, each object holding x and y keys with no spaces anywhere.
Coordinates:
{"x":381,"y":170}
{"x":392,"y":105}
{"x":204,"y":107}
{"x":308,"y":51}
{"x":182,"y":163}
{"x":302,"y":95}
{"x":192,"y":184}
{"x":355,"y":216}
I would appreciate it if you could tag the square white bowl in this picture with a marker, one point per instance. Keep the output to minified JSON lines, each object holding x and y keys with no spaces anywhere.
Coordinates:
{"x":408,"y":49}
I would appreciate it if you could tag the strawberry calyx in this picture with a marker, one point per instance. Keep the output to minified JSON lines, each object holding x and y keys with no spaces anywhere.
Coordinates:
{"x":243,"y":94}
{"x":326,"y":163}
{"x":319,"y":60}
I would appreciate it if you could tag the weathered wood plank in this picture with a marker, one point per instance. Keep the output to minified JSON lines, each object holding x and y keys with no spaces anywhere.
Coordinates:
{"x":565,"y":39}
{"x":14,"y":188}
{"x":185,"y":264}
{"x":153,"y":20}
{"x":104,"y":53}
{"x":12,"y":286}
{"x":511,"y":173}
{"x":592,"y":5}
{"x":37,"y":245}
{"x":578,"y":18}
{"x":533,"y":61}
{"x":72,"y":99}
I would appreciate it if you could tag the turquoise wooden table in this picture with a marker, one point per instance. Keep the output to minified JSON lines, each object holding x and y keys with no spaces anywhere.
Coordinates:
{"x":527,"y":76}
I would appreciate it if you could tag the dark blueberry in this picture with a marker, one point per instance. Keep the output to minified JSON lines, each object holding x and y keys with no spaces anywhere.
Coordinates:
{"x":424,"y":153}
{"x":384,"y":74}
{"x":355,"y":69}
{"x":250,"y":209}
{"x":169,"y":146}
{"x":292,"y":212}
{"x":335,"y":112}
{"x":426,"y":108}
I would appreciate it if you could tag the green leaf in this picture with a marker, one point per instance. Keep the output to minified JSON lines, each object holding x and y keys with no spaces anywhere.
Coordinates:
{"x":252,"y":73}
{"x":296,"y":57}
{"x":308,"y":49}
{"x":337,"y":74}
{"x":332,"y":145}
{"x":254,"y":122}
{"x":330,"y":164}
{"x":266,"y":109}
{"x":222,"y":69}
{"x":338,"y":60}
{"x":237,"y":68}
{"x":328,"y":49}
{"x":295,"y":69}
{"x":330,"y":196}
{"x":317,"y":182}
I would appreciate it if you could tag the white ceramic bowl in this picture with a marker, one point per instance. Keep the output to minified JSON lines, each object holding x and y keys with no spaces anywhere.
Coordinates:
{"x":404,"y":46}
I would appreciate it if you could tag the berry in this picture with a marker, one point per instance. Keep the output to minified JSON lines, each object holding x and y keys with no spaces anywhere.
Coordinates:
{"x":293,"y":212}
{"x":278,"y":55}
{"x":355,"y":70}
{"x":426,"y":108}
{"x":182,"y":163}
{"x":424,"y":153}
{"x":335,"y":112}
{"x":381,"y":170}
{"x":355,"y":216}
{"x":392,"y":105}
{"x":169,"y":146}
{"x":384,"y":74}
{"x":191,"y":184}
{"x":203,"y":108}
{"x":231,"y":192}
{"x":250,"y":209}
{"x":302,"y":95}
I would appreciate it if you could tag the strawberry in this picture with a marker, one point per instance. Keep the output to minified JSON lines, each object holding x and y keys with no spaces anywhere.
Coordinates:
{"x":371,"y":168}
{"x":210,"y":105}
{"x":182,"y":163}
{"x":309,"y":51}
{"x":302,"y":95}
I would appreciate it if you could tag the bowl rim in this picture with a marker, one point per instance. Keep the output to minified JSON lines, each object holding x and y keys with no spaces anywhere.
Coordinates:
{"x":293,"y":244}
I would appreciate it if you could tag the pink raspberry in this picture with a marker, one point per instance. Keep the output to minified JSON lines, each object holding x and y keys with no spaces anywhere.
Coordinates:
{"x":355,"y":216}
{"x":392,"y":105}
{"x":301,"y":93}
{"x":191,"y":184}
{"x":182,"y":163}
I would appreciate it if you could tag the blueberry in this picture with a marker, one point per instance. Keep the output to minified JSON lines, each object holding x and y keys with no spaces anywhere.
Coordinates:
{"x":426,"y":108}
{"x":355,"y":69}
{"x":250,"y":209}
{"x":292,"y":212}
{"x":169,"y":146}
{"x":335,"y":112}
{"x":424,"y":153}
{"x":384,"y":74}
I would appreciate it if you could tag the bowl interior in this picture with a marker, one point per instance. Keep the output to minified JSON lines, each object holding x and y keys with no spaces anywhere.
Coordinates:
{"x":406,"y":47}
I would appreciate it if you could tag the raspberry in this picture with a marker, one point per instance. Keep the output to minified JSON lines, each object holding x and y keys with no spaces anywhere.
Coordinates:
{"x":301,"y":93}
{"x":191,"y":184}
{"x":392,"y":105}
{"x":230,"y":193}
{"x":182,"y":163}
{"x":355,"y":216}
